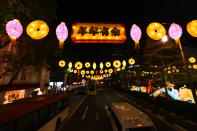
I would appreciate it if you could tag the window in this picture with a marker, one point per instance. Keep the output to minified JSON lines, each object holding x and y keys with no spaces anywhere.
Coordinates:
{"x":117,"y":122}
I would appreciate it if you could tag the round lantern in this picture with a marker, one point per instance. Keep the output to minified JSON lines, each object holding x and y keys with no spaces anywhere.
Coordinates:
{"x":83,"y":72}
{"x":131,"y":61}
{"x":110,"y":71}
{"x":123,"y":68}
{"x":61,"y":33}
{"x":101,"y":71}
{"x":87,"y":72}
{"x":175,"y":32}
{"x":37,"y":29}
{"x":192,"y":59}
{"x":116,"y":63}
{"x":136,"y":34}
{"x":70,"y":65}
{"x":14,"y":29}
{"x":156,"y":31}
{"x":94,"y":65}
{"x":124,"y":63}
{"x":107,"y":64}
{"x":87,"y":64}
{"x":105,"y":70}
{"x":92,"y":72}
{"x":192,"y":28}
{"x":101,"y":65}
{"x":75,"y":71}
{"x":62,"y":63}
{"x":78,"y":65}
{"x":195,"y":66}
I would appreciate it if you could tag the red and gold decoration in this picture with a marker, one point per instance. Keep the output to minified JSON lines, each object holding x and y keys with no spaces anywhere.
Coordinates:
{"x":98,"y":33}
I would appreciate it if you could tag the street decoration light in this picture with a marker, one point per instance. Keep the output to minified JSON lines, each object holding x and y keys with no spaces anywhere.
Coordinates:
{"x":70,"y":65}
{"x":37,"y":29}
{"x":119,"y":69}
{"x":101,"y":65}
{"x":136,"y":34}
{"x":192,"y":59}
{"x":195,"y":66}
{"x":165,"y":38}
{"x":101,"y":71}
{"x":92,"y":72}
{"x":175,"y":32}
{"x":87,"y":64}
{"x":192,"y":28}
{"x":123,"y":68}
{"x":78,"y":65}
{"x":75,"y":71}
{"x":108,"y":64}
{"x":110,"y":71}
{"x":62,"y":63}
{"x":94,"y":65}
{"x":131,"y":61}
{"x":61,"y":33}
{"x":14,"y":29}
{"x":156,"y":31}
{"x":83,"y":72}
{"x":87,"y":72}
{"x":116,"y":63}
{"x":105,"y":70}
{"x":124,"y":63}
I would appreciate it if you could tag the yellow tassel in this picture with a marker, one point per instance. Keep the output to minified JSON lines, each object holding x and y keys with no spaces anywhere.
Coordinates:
{"x":137,"y":45}
{"x":177,"y":41}
{"x":61,"y":44}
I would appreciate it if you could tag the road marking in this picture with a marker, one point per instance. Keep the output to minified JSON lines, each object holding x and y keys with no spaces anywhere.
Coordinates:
{"x":84,"y":113}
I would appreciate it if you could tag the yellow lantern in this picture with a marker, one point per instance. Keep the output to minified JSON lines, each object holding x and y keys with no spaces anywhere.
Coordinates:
{"x":87,"y":64}
{"x":75,"y":71}
{"x":62,"y":63}
{"x":131,"y":61}
{"x":177,"y":70}
{"x":123,"y":68}
{"x":78,"y":65}
{"x":156,"y":31}
{"x":70,"y":65}
{"x":124,"y":63}
{"x":94,"y":65}
{"x":101,"y":65}
{"x":101,"y":71}
{"x":118,"y":69}
{"x":83,"y":75}
{"x":83,"y":72}
{"x":37,"y":29}
{"x":195,"y":66}
{"x":92,"y":72}
{"x":192,"y":28}
{"x":105,"y":70}
{"x":116,"y":63}
{"x":192,"y":59}
{"x":87,"y":72}
{"x":107,"y":64}
{"x":110,"y":71}
{"x":189,"y":66}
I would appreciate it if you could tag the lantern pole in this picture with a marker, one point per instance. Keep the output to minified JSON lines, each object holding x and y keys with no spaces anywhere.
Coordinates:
{"x":188,"y":73}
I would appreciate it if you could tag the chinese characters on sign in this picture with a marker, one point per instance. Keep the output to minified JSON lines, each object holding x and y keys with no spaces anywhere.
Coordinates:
{"x":98,"y":33}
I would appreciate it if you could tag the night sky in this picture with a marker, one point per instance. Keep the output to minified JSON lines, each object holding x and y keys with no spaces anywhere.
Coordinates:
{"x":128,"y":12}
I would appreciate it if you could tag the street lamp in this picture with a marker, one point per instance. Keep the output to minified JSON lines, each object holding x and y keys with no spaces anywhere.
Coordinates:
{"x":164,"y":39}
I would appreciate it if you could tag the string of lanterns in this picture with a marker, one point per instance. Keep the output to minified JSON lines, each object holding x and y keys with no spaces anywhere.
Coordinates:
{"x":39,"y":29}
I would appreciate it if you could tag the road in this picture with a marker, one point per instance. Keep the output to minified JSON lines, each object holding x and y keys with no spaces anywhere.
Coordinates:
{"x":92,"y":114}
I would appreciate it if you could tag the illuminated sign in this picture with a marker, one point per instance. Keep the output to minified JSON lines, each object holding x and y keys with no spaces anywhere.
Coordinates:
{"x":98,"y":33}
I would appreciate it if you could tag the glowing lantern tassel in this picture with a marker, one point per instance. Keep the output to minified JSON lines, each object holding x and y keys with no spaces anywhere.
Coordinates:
{"x":137,"y":45}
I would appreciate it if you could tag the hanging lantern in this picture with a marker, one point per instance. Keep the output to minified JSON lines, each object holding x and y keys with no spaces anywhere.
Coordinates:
{"x":118,"y":69}
{"x":101,"y":65}
{"x":131,"y":61}
{"x":195,"y":66}
{"x":87,"y":64}
{"x":61,"y":33}
{"x":110,"y":71}
{"x":83,"y":72}
{"x":192,"y":28}
{"x":101,"y":71}
{"x":175,"y":32}
{"x":92,"y":72}
{"x":192,"y":59}
{"x":78,"y":65}
{"x":116,"y":63}
{"x":124,"y":63}
{"x":75,"y":71}
{"x":156,"y":31}
{"x":105,"y":70}
{"x":94,"y":65}
{"x":37,"y":29}
{"x":62,"y":63}
{"x":87,"y":72}
{"x":70,"y":65}
{"x":108,"y":64}
{"x":14,"y":29}
{"x":123,"y":68}
{"x":136,"y":34}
